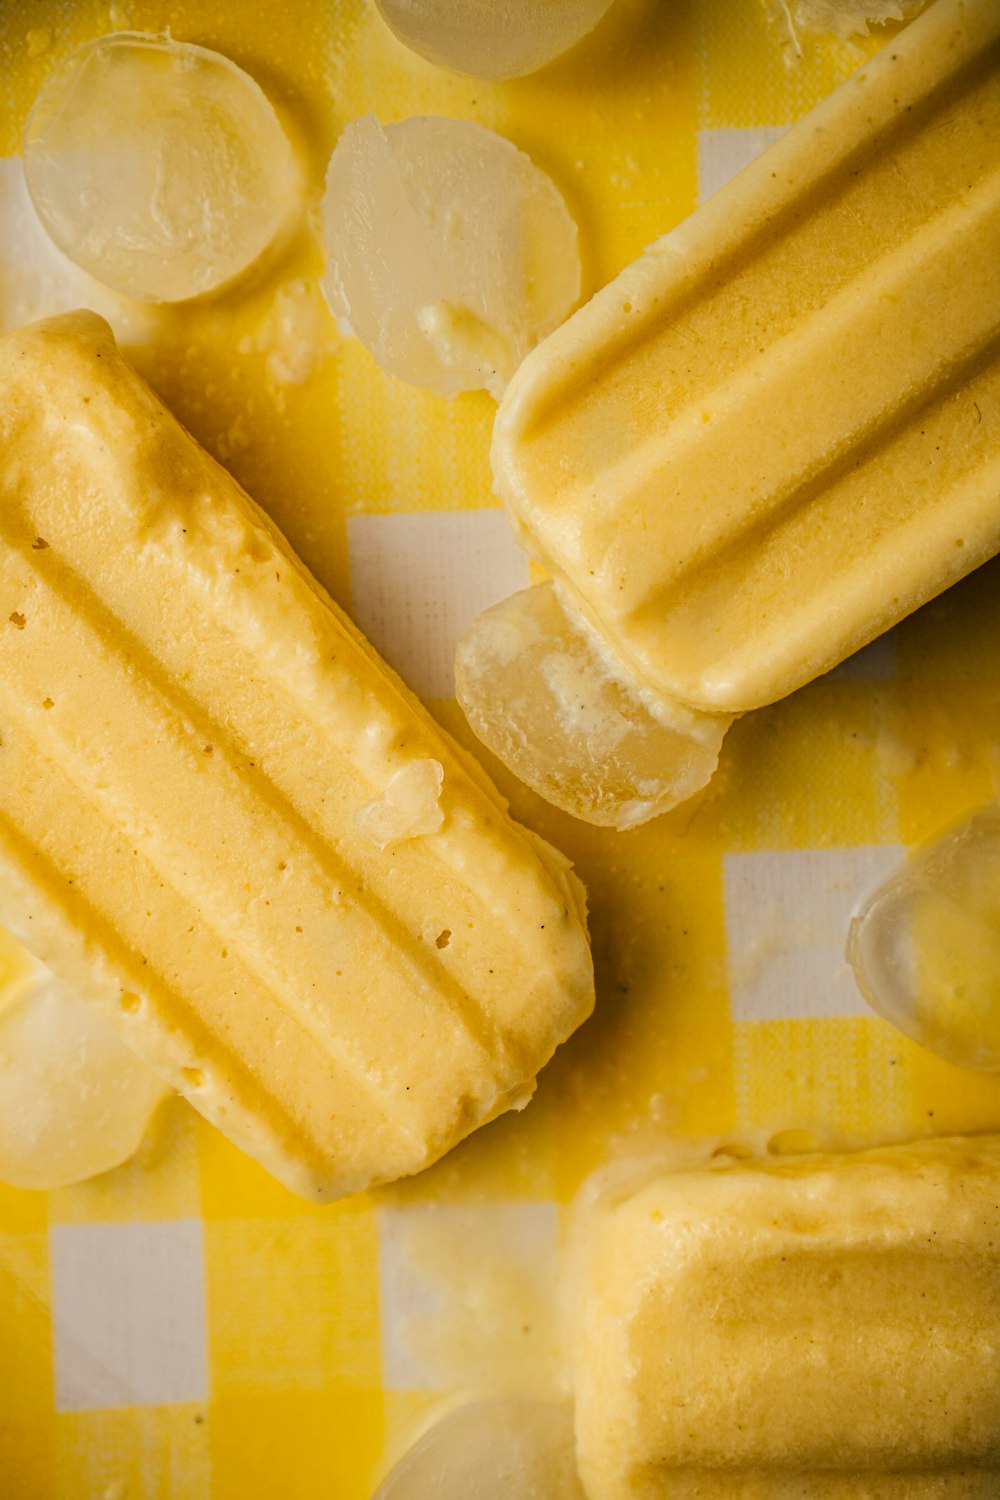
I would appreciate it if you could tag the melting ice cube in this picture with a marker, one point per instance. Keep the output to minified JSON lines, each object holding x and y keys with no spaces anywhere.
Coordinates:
{"x":925,"y":948}
{"x":491,"y":1450}
{"x":158,"y":167}
{"x":449,"y":253}
{"x":487,"y":40}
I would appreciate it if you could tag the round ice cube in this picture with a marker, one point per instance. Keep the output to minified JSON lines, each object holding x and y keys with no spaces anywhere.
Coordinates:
{"x":491,"y":1450}
{"x":537,"y":688}
{"x":158,"y":167}
{"x":74,"y":1101}
{"x":449,"y":253}
{"x":491,"y":38}
{"x":925,"y":948}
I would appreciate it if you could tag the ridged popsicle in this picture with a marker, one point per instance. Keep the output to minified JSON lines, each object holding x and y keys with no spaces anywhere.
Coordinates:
{"x":824,"y":1326}
{"x":225,"y":821}
{"x":778,"y":431}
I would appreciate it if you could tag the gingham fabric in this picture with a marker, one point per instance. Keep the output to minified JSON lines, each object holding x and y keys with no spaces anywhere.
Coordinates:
{"x":183,"y":1328}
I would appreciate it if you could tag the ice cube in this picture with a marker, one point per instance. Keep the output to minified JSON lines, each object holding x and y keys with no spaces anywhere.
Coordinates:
{"x":409,"y":807}
{"x":74,"y":1101}
{"x":798,"y":19}
{"x":492,"y":39}
{"x":506,"y":1449}
{"x":158,"y":167}
{"x":449,"y":253}
{"x":925,"y":947}
{"x":544,"y":696}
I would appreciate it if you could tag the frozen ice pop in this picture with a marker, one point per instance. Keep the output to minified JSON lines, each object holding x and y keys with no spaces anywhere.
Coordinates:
{"x":777,"y":432}
{"x":226,"y":822}
{"x":824,"y":1325}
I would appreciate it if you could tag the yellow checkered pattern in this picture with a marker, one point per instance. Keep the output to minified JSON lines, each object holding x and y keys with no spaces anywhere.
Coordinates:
{"x":295,"y":1400}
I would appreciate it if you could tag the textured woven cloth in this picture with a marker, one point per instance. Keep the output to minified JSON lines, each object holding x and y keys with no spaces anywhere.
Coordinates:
{"x":184,"y":1328}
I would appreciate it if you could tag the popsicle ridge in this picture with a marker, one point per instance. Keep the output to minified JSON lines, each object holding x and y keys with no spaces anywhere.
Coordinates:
{"x":210,"y":750}
{"x":125,"y":971}
{"x":163,"y":749}
{"x":849,"y":331}
{"x":869,"y":490}
{"x":867,"y":151}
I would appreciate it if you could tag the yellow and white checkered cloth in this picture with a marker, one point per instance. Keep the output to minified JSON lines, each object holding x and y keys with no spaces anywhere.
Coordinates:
{"x":183,"y":1327}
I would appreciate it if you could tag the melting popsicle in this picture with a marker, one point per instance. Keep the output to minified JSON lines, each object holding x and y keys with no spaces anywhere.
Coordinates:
{"x":766,"y":441}
{"x":226,"y":822}
{"x":824,"y":1325}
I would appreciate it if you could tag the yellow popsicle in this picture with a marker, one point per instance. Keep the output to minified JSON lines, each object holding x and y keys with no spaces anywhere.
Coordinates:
{"x":824,"y":1326}
{"x":226,"y":822}
{"x":778,"y":431}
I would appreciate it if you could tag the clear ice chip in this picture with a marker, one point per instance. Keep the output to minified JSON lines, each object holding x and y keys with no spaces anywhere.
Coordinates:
{"x":846,"y":19}
{"x":158,"y":167}
{"x":487,"y":39}
{"x":508,"y":1449}
{"x":449,"y":253}
{"x":74,"y":1100}
{"x":540,"y":692}
{"x":925,"y":948}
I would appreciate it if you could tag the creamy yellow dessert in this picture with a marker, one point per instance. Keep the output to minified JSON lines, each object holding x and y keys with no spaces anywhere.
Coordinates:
{"x":227,"y":823}
{"x":820,"y":1326}
{"x":776,"y":433}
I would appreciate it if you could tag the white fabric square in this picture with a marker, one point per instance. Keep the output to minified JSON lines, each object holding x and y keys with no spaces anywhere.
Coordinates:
{"x":419,"y":580}
{"x":468,"y":1294}
{"x":128,"y":1314}
{"x":787,"y":914}
{"x":725,"y":151}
